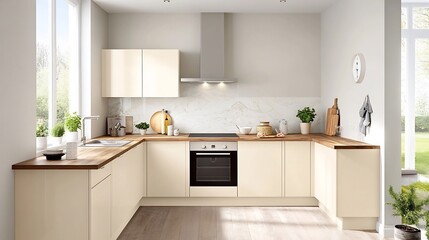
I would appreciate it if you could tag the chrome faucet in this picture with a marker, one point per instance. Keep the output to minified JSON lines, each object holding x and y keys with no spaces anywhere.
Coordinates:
{"x":83,"y":127}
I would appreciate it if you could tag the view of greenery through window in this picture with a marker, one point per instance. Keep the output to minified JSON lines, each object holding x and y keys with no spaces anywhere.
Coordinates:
{"x":420,"y":22}
{"x":65,"y":39}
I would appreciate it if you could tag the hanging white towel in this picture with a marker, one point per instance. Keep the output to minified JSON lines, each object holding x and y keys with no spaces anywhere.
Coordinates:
{"x":365,"y":114}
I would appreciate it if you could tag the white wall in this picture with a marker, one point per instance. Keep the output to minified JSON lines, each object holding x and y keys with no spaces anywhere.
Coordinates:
{"x":98,"y":42}
{"x":370,"y":27}
{"x":17,"y":99}
{"x":94,"y":38}
{"x":274,"y":55}
{"x":276,"y":58}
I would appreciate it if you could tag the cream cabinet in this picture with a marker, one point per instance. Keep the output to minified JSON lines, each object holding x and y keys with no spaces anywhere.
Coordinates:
{"x":347,"y":185}
{"x":161,"y":73}
{"x":79,"y":204}
{"x":260,"y":169}
{"x":167,"y":169}
{"x":100,"y":210}
{"x":127,"y":187}
{"x":297,"y":168}
{"x":122,"y":73}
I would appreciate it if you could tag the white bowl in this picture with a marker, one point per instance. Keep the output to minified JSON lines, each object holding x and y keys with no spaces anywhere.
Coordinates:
{"x":245,"y":130}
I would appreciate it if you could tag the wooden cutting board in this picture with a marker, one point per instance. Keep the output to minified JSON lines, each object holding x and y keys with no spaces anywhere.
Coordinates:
{"x":155,"y":121}
{"x":332,"y":119}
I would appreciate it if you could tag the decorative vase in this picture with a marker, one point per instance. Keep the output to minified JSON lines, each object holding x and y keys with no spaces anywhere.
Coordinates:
{"x":143,"y":131}
{"x":405,"y":232}
{"x":264,"y":129}
{"x":41,"y":143}
{"x":305,"y":128}
{"x":72,"y":137}
{"x":56,"y":140}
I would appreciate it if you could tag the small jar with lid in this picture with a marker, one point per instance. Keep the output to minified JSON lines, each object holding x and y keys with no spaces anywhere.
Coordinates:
{"x":264,"y":129}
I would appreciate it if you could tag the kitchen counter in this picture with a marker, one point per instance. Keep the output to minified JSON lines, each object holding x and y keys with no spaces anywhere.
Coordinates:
{"x":97,"y":157}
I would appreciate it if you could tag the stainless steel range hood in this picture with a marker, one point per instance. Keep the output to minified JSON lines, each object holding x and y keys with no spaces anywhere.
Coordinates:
{"x":212,"y":68}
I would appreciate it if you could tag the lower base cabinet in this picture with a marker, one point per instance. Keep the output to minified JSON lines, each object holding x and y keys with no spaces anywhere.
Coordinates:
{"x":100,"y":208}
{"x":167,"y":169}
{"x":260,"y":169}
{"x":79,"y":204}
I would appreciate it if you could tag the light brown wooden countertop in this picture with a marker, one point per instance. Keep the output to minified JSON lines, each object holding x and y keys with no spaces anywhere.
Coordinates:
{"x":97,"y":157}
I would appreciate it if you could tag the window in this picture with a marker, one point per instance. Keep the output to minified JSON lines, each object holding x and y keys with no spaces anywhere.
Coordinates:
{"x":57,"y":60}
{"x":415,"y":87}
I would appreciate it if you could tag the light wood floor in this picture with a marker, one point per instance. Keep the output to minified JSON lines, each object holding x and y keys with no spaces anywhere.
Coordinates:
{"x":235,"y":223}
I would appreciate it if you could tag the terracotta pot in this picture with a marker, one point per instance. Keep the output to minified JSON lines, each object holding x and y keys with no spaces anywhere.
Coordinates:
{"x":305,"y":128}
{"x":405,"y":232}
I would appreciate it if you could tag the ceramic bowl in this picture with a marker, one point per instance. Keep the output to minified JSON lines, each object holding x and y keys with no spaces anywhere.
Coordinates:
{"x":245,"y":130}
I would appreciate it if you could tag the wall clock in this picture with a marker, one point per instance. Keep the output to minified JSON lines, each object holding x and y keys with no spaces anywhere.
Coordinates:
{"x":358,"y":68}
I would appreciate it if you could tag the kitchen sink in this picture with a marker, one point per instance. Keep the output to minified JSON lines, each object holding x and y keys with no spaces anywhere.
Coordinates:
{"x":106,"y":143}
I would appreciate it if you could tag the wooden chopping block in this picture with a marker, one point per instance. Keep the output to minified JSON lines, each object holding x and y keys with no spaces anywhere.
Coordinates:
{"x":332,"y":119}
{"x":155,"y":121}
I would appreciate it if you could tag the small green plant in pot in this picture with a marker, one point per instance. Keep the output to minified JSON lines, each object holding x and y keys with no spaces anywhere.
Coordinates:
{"x":142,"y":126}
{"x":57,"y":133}
{"x":306,"y":115}
{"x":410,"y":209}
{"x":72,"y":123}
{"x":41,"y":134}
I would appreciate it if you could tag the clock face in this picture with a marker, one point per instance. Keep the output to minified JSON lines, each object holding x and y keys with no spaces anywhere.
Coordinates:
{"x":358,"y":68}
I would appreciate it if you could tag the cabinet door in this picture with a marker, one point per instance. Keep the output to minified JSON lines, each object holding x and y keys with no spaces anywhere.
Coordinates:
{"x":160,"y":73}
{"x":122,"y":73}
{"x":297,"y":169}
{"x":100,"y":210}
{"x":325,"y":171}
{"x":259,"y":169}
{"x":127,"y":187}
{"x":166,"y":169}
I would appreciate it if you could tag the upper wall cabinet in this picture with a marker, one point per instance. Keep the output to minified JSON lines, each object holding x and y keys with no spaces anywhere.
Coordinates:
{"x":161,"y":73}
{"x":122,"y":73}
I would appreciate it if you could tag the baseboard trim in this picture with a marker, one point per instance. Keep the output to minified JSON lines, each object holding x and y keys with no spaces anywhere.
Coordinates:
{"x":232,"y":202}
{"x":386,"y":231}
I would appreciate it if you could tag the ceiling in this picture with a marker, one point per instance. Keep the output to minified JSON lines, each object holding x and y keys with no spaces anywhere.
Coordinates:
{"x":228,"y":6}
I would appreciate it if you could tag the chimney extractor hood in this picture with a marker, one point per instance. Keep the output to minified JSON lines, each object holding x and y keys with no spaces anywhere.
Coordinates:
{"x":212,"y":61}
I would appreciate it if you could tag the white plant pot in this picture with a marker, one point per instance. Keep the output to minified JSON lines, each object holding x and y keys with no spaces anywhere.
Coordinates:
{"x":404,"y":232}
{"x":56,"y":141}
{"x":305,"y":128}
{"x":41,"y":143}
{"x":143,"y":131}
{"x":72,"y":137}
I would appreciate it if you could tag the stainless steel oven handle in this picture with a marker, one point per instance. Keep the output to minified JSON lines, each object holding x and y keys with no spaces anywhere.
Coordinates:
{"x":213,"y":154}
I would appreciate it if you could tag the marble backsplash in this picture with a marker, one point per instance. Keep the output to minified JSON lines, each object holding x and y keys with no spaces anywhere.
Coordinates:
{"x":217,"y":108}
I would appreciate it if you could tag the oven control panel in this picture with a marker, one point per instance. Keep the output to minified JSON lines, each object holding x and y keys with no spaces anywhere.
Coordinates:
{"x":213,"y":146}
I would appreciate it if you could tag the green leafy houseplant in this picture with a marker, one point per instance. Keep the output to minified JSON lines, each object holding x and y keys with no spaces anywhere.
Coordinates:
{"x":306,"y":114}
{"x":58,"y":130}
{"x":142,"y":125}
{"x":41,"y":129}
{"x":72,"y":122}
{"x":410,"y":208}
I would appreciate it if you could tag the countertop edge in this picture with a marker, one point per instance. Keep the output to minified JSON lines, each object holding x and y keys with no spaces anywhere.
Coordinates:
{"x":333,"y":142}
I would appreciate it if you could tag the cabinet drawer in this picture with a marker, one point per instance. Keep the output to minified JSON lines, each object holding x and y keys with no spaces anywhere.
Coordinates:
{"x":95,"y":176}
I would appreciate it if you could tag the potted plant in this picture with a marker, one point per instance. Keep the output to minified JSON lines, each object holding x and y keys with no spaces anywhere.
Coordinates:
{"x":142,"y":126}
{"x":57,"y":133}
{"x":410,"y":208}
{"x":41,"y":134}
{"x":307,"y":116}
{"x":72,"y":123}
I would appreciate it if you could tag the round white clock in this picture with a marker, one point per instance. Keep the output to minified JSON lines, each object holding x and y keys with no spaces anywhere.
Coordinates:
{"x":358,"y":68}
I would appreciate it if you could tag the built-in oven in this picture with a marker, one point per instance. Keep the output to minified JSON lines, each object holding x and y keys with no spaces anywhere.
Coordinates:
{"x":213,"y":164}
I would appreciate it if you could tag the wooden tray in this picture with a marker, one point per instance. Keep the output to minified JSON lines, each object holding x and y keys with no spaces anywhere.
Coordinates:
{"x":155,"y":121}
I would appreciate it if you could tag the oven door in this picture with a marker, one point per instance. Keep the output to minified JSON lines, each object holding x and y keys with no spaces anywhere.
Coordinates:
{"x":218,"y":168}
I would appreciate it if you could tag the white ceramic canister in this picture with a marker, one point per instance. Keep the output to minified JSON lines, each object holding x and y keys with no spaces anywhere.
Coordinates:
{"x":283,"y":126}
